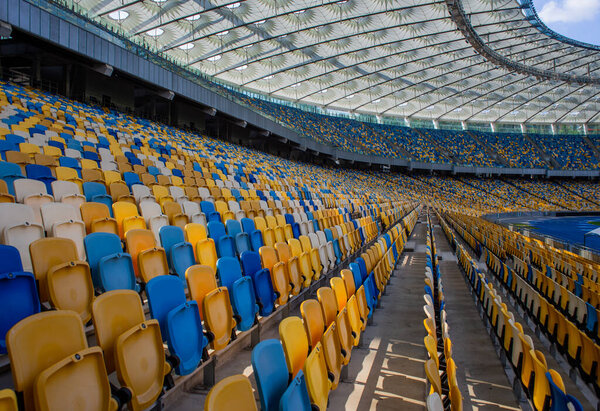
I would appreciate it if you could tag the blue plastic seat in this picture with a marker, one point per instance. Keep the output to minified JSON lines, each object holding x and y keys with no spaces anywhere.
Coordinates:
{"x":10,"y":172}
{"x":134,"y":161}
{"x":592,"y":319}
{"x":180,"y":253}
{"x":356,"y":274}
{"x":153,"y":171}
{"x":295,"y":397}
{"x":371,"y":294}
{"x":289,"y":219}
{"x":179,"y":321}
{"x":256,"y":239}
{"x":11,"y":259}
{"x":270,"y":372}
{"x":71,"y":163}
{"x":96,"y":192}
{"x":111,"y":268}
{"x":234,"y":227}
{"x":40,"y":173}
{"x":131,"y":179}
{"x":261,"y":278}
{"x":228,"y":271}
{"x":18,"y":300}
{"x":224,"y":243}
{"x":242,"y":243}
{"x":57,"y":144}
{"x":363,"y":268}
{"x":561,"y":400}
{"x":90,"y":155}
{"x":243,"y":302}
{"x":209,"y":211}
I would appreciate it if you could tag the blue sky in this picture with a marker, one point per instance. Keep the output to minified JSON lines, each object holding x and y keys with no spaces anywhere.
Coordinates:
{"x":578,"y":19}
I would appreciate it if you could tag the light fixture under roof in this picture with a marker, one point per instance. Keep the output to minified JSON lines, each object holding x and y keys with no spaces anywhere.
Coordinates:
{"x":574,"y":113}
{"x":155,"y":32}
{"x":223,"y":33}
{"x":187,"y":46}
{"x":118,"y":15}
{"x":350,"y":96}
{"x":402,"y":104}
{"x":234,"y":5}
{"x":193,"y":17}
{"x":377,"y":100}
{"x":215,"y":58}
{"x":295,"y":85}
{"x":269,"y":77}
{"x":258,"y":23}
{"x":241,"y":68}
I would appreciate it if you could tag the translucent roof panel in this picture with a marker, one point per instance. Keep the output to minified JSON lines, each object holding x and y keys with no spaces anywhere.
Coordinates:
{"x":384,"y":57}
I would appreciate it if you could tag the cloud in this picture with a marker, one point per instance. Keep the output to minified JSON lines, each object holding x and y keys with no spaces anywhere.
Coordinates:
{"x":569,"y":11}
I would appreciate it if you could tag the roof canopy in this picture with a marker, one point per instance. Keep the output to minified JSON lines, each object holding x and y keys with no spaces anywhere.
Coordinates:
{"x":384,"y":57}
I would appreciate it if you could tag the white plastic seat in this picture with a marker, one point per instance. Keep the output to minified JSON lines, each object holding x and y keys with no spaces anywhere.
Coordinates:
{"x":142,"y":193}
{"x":154,"y":217}
{"x":70,"y":152}
{"x":177,"y":193}
{"x":68,"y":192}
{"x":19,"y":229}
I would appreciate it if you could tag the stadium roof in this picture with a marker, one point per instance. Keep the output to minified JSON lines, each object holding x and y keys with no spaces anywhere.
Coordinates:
{"x":469,"y":60}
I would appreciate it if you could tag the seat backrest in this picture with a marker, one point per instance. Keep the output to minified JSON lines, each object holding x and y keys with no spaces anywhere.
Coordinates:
{"x":268,"y":257}
{"x":328,"y":303}
{"x":250,"y":262}
{"x":339,"y":290}
{"x":433,"y":376}
{"x":11,"y":259}
{"x":194,"y":232}
{"x":201,"y":280}
{"x":39,"y":341}
{"x":47,"y":253}
{"x":349,"y":283}
{"x":206,"y":253}
{"x":283,"y":252}
{"x":98,"y":245}
{"x":233,"y":227}
{"x":228,"y":271}
{"x":216,"y":230}
{"x":231,"y":393}
{"x":295,"y":343}
{"x":164,"y":292}
{"x":138,"y":240}
{"x":312,"y":317}
{"x":53,"y":213}
{"x":270,"y":373}
{"x":248,"y":225}
{"x":8,"y":400}
{"x":169,"y":236}
{"x":26,"y":187}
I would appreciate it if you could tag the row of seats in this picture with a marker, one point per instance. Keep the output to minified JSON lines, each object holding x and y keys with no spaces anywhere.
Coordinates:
{"x":543,"y":386}
{"x":440,"y":368}
{"x":300,"y":369}
{"x":569,"y":322}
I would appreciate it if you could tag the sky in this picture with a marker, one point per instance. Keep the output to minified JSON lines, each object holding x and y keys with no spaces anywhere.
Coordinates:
{"x":577,"y":19}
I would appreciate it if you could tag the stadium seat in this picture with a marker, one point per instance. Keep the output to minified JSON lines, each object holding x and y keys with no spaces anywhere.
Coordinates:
{"x":334,"y":354}
{"x":295,"y":344}
{"x":234,"y":392}
{"x":179,"y":320}
{"x":111,"y":268}
{"x":225,"y":244}
{"x":312,"y":317}
{"x":270,"y":373}
{"x":8,"y":400}
{"x":206,"y":253}
{"x":19,"y":229}
{"x":46,"y":255}
{"x":261,"y":278}
{"x":218,"y":318}
{"x":70,"y":287}
{"x":180,"y":253}
{"x":328,"y":303}
{"x":38,"y":342}
{"x":96,"y":217}
{"x":200,"y":280}
{"x":318,"y":380}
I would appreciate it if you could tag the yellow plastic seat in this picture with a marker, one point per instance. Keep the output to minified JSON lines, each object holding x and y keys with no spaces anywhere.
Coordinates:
{"x":120,"y":192}
{"x":161,"y":193}
{"x":206,"y":253}
{"x":47,"y":253}
{"x":541,"y":387}
{"x":345,"y":333}
{"x":356,"y":321}
{"x":279,"y":275}
{"x":433,"y":376}
{"x":294,"y":342}
{"x":127,"y":217}
{"x":140,"y":363}
{"x":175,"y":214}
{"x":69,"y":174}
{"x":201,"y":280}
{"x":70,"y":288}
{"x":332,"y":350}
{"x":115,"y":312}
{"x":39,"y":341}
{"x":77,"y":382}
{"x":194,"y":232}
{"x":312,"y":317}
{"x":96,"y":218}
{"x":231,"y":393}
{"x":431,"y":346}
{"x":363,"y":307}
{"x":152,"y":262}
{"x":317,"y":379}
{"x":348,"y":282}
{"x":328,"y":303}
{"x":137,"y":241}
{"x":339,"y":291}
{"x":218,"y":317}
{"x":8,"y":400}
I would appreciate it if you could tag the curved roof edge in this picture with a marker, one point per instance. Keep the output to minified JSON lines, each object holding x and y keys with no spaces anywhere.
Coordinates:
{"x":535,"y":20}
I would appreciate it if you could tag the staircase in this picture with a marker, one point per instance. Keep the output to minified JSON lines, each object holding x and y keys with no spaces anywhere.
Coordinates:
{"x":544,"y":156}
{"x":489,"y":151}
{"x":593,"y":147}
